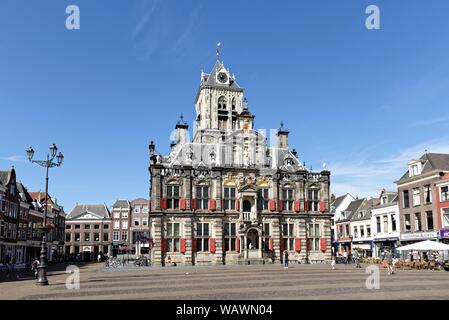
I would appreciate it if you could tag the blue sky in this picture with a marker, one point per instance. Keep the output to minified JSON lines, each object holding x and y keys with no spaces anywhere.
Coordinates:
{"x":363,"y":101}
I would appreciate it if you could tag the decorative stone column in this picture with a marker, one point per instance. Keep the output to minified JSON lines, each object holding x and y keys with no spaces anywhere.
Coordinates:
{"x":188,"y":228}
{"x":157,"y":238}
{"x":276,"y":234}
{"x":218,"y":231}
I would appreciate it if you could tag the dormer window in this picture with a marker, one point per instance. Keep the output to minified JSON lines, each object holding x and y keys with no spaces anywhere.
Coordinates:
{"x":414,"y":168}
{"x":361,"y":214}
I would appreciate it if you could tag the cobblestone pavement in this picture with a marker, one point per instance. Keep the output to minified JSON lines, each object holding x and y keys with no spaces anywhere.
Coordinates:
{"x":234,"y":282}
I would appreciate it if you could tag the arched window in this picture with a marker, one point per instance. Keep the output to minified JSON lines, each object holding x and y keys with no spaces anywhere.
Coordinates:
{"x":222,"y":103}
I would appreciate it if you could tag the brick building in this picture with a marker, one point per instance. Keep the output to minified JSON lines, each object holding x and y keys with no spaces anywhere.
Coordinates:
{"x":88,"y":231}
{"x":121,"y":223}
{"x":418,"y":211}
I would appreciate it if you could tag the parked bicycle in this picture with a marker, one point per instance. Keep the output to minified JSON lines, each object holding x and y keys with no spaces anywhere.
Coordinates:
{"x":141,"y":262}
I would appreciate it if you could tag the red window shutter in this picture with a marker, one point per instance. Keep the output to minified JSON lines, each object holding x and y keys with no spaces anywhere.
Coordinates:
{"x":163,"y":245}
{"x":212,"y":204}
{"x":222,"y":204}
{"x":272,"y":205}
{"x":182,"y":204}
{"x":237,"y":204}
{"x":237,"y":244}
{"x":183,"y":245}
{"x":280,"y":207}
{"x":193,"y":204}
{"x":298,"y":244}
{"x":306,"y":205}
{"x":271,"y":244}
{"x":193,"y":245}
{"x":163,"y":203}
{"x":322,"y":206}
{"x":212,"y":245}
{"x":323,"y":244}
{"x":296,"y":205}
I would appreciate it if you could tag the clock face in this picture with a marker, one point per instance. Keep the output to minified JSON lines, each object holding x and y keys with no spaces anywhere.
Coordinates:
{"x":222,"y":77}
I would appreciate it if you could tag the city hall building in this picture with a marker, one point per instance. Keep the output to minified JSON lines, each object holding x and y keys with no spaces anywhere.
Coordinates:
{"x":227,"y":196}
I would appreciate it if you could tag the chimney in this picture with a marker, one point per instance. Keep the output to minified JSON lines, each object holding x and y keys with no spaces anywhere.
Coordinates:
{"x":282,"y":137}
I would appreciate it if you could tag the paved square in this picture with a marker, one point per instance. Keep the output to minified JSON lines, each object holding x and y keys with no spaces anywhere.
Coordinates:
{"x":234,"y":282}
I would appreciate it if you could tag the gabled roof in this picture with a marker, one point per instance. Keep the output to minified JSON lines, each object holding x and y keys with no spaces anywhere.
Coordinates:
{"x":100,"y":210}
{"x":365,"y":207}
{"x":208,"y":80}
{"x":40,"y":197}
{"x":121,"y":203}
{"x":431,"y":162}
{"x":24,"y":194}
{"x":338,"y":201}
{"x":139,"y":201}
{"x":353,"y":207}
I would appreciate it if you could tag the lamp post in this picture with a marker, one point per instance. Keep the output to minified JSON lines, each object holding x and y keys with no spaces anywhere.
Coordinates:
{"x":47,"y":164}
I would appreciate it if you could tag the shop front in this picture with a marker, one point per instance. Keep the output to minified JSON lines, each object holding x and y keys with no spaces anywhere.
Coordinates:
{"x":444,"y":236}
{"x":380,"y":245}
{"x":363,"y":247}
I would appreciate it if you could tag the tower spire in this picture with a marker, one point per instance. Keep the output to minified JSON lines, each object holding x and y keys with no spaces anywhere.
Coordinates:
{"x":218,"y":51}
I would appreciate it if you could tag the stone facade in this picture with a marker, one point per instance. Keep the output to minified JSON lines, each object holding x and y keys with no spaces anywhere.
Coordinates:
{"x":227,"y":197}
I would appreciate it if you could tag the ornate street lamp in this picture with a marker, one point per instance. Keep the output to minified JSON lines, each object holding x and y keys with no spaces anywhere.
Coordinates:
{"x":42,"y":268}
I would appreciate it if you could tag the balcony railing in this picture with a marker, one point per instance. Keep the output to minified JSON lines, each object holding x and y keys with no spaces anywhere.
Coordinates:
{"x":249,"y":216}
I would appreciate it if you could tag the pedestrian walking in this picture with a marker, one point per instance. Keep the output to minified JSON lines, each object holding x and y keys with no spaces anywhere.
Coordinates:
{"x":333,"y":263}
{"x":285,"y":259}
{"x":34,"y":266}
{"x":345,"y":257}
{"x":389,"y":258}
{"x":99,"y":257}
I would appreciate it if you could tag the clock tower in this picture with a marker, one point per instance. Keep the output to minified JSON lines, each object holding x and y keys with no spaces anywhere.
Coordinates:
{"x":218,"y":103}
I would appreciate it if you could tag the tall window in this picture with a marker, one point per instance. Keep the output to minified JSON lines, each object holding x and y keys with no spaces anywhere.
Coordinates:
{"x":416,"y":198}
{"x":287,"y":199}
{"x":137,"y":209}
{"x":173,"y":236}
{"x":124,"y":214}
{"x":105,"y":237}
{"x":314,"y":236}
{"x":393,"y":223}
{"x":145,"y":208}
{"x":340,"y":231}
{"x":288,"y":236}
{"x":348,"y":232}
{"x":429,"y":215}
{"x":407,"y":223}
{"x":87,"y":236}
{"x":362,"y":231}
{"x":379,"y":230}
{"x":405,"y":198}
{"x":445,"y":217}
{"x":116,"y":215}
{"x":313,"y":199}
{"x":124,"y":235}
{"x":172,"y":197}
{"x":115,"y":236}
{"x":266,"y":237}
{"x":202,"y":237}
{"x":262,"y":199}
{"x":418,"y":221}
{"x":445,"y":193}
{"x":427,"y":194}
{"x":368,"y":231}
{"x":67,"y":237}
{"x":222,"y":103}
{"x":77,"y":237}
{"x":202,"y":197}
{"x":356,"y":231}
{"x":229,"y":198}
{"x":124,"y":224}
{"x":233,"y":103}
{"x":385,"y":223}
{"x":230,"y":236}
